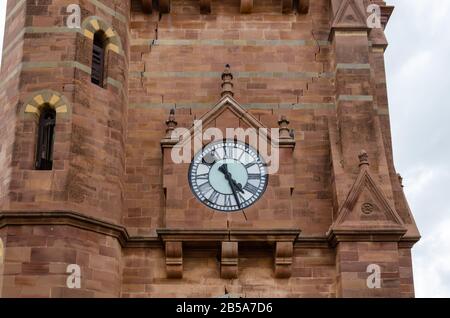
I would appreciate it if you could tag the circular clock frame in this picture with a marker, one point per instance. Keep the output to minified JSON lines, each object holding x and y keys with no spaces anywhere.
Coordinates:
{"x":241,"y":181}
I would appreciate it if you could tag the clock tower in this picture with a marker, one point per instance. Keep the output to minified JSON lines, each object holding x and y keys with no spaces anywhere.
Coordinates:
{"x":199,"y":147}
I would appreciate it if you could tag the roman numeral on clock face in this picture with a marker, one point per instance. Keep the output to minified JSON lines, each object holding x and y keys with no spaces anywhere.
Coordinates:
{"x":214,"y":197}
{"x":225,"y":151}
{"x":205,"y":187}
{"x":254,"y":176}
{"x":228,"y":200}
{"x":241,"y":197}
{"x":229,"y":152}
{"x":251,"y":188}
{"x":249,"y":165}
{"x":203,"y":176}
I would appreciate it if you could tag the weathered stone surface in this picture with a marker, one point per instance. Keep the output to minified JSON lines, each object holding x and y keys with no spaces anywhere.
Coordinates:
{"x":320,"y":73}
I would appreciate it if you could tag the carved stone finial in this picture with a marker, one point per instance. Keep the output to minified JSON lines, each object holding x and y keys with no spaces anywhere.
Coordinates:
{"x":285,"y":132}
{"x":363,"y":158}
{"x":171,"y":124}
{"x":400,"y":179}
{"x":227,"y":81}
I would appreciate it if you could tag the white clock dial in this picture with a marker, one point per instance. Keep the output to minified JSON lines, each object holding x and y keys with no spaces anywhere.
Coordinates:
{"x":228,"y":176}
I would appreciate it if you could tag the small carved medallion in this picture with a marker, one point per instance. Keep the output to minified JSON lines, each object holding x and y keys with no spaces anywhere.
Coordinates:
{"x":367,"y":208}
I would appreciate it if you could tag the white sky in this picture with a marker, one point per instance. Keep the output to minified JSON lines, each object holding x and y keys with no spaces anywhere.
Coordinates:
{"x":419,"y":93}
{"x":418,"y":69}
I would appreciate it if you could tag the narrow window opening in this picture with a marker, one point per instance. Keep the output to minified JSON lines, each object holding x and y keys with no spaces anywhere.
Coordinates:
{"x":46,"y":139}
{"x":98,"y":58}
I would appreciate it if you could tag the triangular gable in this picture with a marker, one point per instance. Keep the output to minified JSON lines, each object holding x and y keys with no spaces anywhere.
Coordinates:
{"x":350,"y":14}
{"x":228,"y":104}
{"x":366,"y":207}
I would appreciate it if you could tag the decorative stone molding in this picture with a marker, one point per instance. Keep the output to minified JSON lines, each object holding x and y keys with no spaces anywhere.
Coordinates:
{"x":201,"y":235}
{"x":93,"y":24}
{"x":227,"y":82}
{"x":38,"y":100}
{"x":229,"y":260}
{"x":367,"y":235}
{"x":174,"y":259}
{"x":246,"y":6}
{"x":227,"y":102}
{"x":171,"y":124}
{"x":363,"y":159}
{"x":286,"y":134}
{"x":367,"y":208}
{"x":284,"y":252}
{"x":366,"y":214}
{"x":348,"y":15}
{"x":78,"y":220}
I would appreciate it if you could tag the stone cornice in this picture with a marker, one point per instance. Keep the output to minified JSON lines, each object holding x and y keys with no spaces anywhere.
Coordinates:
{"x":366,"y":235}
{"x":78,"y":220}
{"x":246,"y":6}
{"x":269,"y":235}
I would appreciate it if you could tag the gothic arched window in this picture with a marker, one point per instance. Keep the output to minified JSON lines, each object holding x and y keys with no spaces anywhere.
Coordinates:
{"x":46,"y":138}
{"x":98,"y":58}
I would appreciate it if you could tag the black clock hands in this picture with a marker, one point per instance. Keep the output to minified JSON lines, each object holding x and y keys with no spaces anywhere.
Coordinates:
{"x":233,"y":184}
{"x":229,"y":177}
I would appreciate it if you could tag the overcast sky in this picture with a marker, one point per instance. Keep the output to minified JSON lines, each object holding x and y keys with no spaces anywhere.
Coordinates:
{"x":418,"y":67}
{"x":418,"y":80}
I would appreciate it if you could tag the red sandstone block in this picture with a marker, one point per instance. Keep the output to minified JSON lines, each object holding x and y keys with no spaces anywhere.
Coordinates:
{"x":53,"y":255}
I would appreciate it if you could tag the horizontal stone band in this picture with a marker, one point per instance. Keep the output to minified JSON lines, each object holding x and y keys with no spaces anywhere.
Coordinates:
{"x":191,"y":105}
{"x":65,"y":64}
{"x":96,"y":3}
{"x":175,"y":42}
{"x":199,"y":74}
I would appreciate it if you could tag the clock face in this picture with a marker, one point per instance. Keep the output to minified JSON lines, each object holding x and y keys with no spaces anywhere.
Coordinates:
{"x":228,"y":176}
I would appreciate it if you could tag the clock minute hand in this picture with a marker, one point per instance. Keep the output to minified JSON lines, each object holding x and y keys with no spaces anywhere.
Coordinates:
{"x":229,"y":177}
{"x":235,"y":194}
{"x":238,"y":186}
{"x":224,"y":170}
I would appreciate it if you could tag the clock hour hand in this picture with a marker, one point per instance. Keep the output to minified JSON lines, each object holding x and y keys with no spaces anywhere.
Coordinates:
{"x":224,"y":170}
{"x":235,"y":196}
{"x":229,"y":177}
{"x":238,"y":186}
